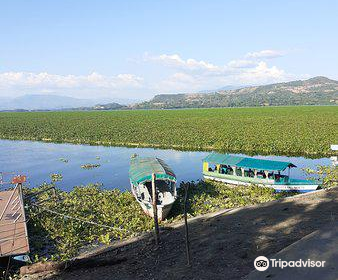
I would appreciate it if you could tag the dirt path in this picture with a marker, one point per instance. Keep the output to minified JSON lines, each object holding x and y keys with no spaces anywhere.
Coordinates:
{"x":223,"y":246}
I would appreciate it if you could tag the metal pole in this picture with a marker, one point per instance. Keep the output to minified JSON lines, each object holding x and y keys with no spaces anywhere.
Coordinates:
{"x":187,"y":242}
{"x":154,"y":197}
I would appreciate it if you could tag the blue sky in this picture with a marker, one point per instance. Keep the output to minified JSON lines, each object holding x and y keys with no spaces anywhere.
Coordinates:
{"x":135,"y":49}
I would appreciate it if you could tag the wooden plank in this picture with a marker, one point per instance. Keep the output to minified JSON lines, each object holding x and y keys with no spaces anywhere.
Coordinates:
{"x":13,"y":229}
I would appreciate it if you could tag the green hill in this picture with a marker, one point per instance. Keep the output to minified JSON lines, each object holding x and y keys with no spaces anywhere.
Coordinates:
{"x":314,"y":91}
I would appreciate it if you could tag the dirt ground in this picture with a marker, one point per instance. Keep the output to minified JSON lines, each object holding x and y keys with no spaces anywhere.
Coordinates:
{"x":223,"y":245}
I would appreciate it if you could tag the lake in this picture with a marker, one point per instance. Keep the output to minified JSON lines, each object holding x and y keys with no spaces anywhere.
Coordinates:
{"x":38,"y":160}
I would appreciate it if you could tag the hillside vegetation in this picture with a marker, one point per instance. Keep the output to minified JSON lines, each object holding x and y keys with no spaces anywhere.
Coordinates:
{"x":315,"y":91}
{"x":276,"y":130}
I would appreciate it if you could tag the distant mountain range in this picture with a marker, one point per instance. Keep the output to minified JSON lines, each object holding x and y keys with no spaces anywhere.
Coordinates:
{"x":33,"y":102}
{"x":314,"y":91}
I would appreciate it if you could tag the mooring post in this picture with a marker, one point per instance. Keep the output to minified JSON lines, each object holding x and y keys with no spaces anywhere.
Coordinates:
{"x":187,"y":242}
{"x":154,"y":197}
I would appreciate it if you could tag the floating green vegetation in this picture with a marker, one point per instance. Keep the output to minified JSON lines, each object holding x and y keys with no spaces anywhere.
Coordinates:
{"x":327,"y":175}
{"x":307,"y":130}
{"x":209,"y":196}
{"x":56,"y":177}
{"x":63,"y":160}
{"x":90,"y":166}
{"x":59,"y":228}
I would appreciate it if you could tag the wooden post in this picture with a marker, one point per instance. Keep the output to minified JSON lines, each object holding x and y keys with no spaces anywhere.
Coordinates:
{"x":154,"y":199}
{"x":7,"y":268}
{"x":187,"y":242}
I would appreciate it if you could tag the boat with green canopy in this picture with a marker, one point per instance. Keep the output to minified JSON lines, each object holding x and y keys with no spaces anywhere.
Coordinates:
{"x":239,"y":170}
{"x":143,"y":173}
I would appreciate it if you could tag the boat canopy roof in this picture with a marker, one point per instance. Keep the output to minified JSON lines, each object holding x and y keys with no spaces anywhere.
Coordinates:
{"x":247,"y":162}
{"x":142,"y":168}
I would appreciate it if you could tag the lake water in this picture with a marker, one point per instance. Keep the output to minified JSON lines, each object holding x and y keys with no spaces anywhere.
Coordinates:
{"x":38,"y":160}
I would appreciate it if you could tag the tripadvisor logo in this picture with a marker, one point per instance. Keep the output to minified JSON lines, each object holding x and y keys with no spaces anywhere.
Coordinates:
{"x":262,"y":263}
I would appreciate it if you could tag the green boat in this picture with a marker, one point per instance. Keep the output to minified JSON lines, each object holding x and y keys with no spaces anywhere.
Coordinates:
{"x":141,"y":172}
{"x":239,"y":170}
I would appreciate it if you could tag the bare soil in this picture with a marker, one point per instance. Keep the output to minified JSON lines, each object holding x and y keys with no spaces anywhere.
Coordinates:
{"x":223,"y":245}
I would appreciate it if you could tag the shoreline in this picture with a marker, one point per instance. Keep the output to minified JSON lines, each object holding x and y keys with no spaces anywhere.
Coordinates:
{"x":223,"y":223}
{"x":88,"y":205}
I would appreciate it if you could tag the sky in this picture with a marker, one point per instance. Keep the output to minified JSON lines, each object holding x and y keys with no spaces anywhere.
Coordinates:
{"x":136,"y":49}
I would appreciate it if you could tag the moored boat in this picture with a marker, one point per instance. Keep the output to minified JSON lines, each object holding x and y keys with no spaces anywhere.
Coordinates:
{"x":141,"y":172}
{"x":239,"y":170}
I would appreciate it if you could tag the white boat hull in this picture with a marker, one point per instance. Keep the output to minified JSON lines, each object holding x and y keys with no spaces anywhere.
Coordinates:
{"x":278,"y":188}
{"x":147,"y":207}
{"x":162,"y":211}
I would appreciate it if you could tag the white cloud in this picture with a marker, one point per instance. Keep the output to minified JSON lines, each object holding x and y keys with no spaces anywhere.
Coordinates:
{"x":210,"y":76}
{"x":175,"y":60}
{"x":261,"y":74}
{"x":265,"y":54}
{"x":47,"y":82}
{"x":93,"y":85}
{"x":201,"y":67}
{"x":172,"y":74}
{"x":242,"y":63}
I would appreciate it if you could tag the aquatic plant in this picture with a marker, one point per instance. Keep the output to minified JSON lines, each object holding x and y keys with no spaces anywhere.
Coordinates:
{"x":56,"y":177}
{"x":306,"y":130}
{"x":209,"y":196}
{"x":60,"y":227}
{"x":326,"y":175}
{"x":90,"y":166}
